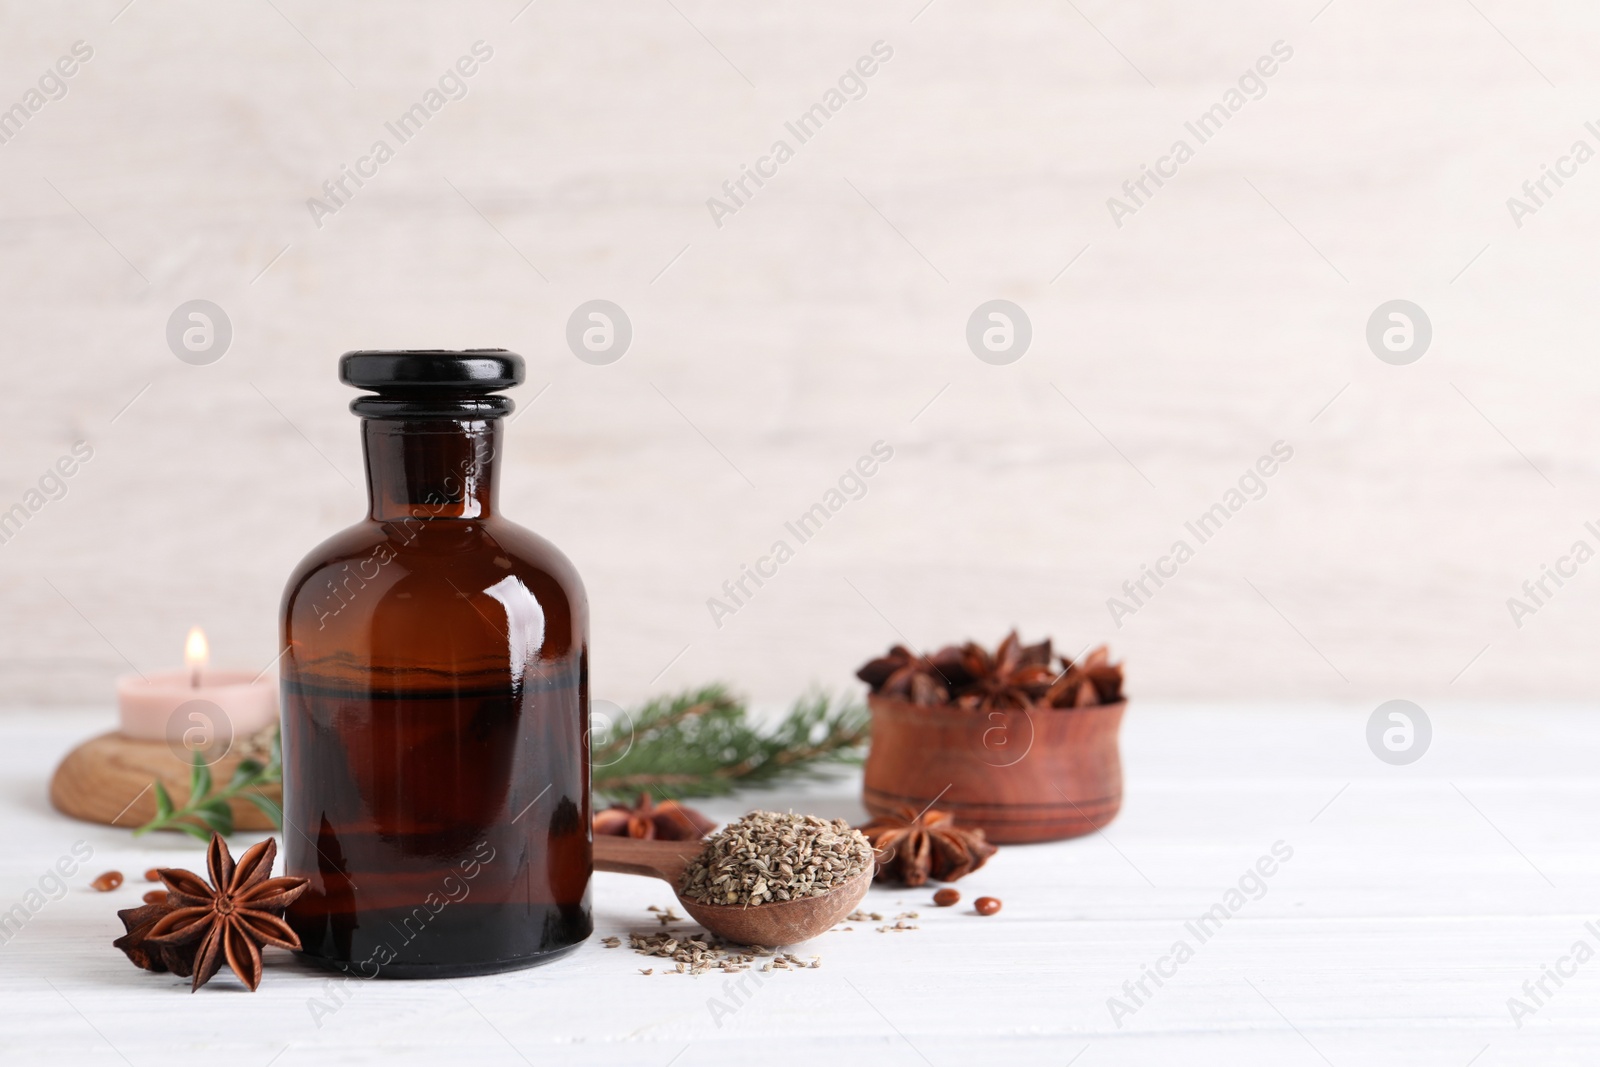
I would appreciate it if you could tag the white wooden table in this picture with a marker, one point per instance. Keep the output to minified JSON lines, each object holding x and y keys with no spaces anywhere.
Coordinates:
{"x":1417,"y":901}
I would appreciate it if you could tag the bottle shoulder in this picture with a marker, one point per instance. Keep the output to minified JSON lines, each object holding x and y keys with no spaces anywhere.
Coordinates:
{"x":459,"y":546}
{"x":527,"y":549}
{"x":436,"y":589}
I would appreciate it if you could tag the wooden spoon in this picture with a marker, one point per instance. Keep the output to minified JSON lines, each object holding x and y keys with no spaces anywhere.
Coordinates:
{"x":785,"y":922}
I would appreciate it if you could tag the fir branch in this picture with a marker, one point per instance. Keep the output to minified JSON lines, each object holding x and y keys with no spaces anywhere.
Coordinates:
{"x":662,"y":713}
{"x":699,"y":743}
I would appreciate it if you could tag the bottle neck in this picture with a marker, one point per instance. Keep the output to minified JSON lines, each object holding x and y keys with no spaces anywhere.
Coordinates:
{"x":431,"y":468}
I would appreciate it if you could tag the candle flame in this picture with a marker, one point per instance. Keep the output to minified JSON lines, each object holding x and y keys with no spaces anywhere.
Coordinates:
{"x":195,"y":650}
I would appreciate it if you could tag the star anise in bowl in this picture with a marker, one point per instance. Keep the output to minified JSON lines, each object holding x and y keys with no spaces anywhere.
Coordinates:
{"x":904,"y":674}
{"x":913,"y":847}
{"x":667,"y":821}
{"x":1014,"y":677}
{"x":200,"y":926}
{"x":1090,"y":681}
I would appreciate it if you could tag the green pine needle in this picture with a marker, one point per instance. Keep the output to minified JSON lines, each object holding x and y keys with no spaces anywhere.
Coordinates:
{"x":699,"y":743}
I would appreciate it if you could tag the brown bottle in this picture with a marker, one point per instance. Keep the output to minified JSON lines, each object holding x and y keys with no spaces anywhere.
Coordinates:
{"x":435,"y":688}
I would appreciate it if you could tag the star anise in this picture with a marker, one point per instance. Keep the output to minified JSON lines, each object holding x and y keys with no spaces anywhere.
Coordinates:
{"x":229,"y":920}
{"x":912,"y":847}
{"x":179,"y":959}
{"x":1092,"y":680}
{"x":1015,"y":677}
{"x":904,"y":674}
{"x":667,"y":821}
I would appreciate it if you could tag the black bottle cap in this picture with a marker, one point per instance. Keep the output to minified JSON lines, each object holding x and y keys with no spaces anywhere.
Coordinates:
{"x":432,"y":384}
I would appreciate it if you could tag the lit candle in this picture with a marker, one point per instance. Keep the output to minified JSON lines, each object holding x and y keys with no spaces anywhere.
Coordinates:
{"x":195,"y":654}
{"x":193,"y":708}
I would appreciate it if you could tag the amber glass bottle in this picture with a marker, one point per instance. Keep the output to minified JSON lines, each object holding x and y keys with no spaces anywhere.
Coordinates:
{"x":435,"y":690}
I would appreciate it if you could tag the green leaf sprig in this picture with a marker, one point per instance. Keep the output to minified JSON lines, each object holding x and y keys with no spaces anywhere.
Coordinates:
{"x":206,"y":811}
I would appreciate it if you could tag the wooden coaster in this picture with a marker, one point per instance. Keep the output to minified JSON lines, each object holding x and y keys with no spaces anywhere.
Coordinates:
{"x":107,"y":780}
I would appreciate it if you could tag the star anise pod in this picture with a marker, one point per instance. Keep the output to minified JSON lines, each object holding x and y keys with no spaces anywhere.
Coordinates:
{"x":179,"y":959}
{"x":904,"y":674}
{"x":667,"y":821}
{"x":230,"y":919}
{"x":912,"y":847}
{"x":1015,"y":677}
{"x":1092,"y":680}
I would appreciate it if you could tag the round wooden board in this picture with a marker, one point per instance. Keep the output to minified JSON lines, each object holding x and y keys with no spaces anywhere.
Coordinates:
{"x":107,"y":780}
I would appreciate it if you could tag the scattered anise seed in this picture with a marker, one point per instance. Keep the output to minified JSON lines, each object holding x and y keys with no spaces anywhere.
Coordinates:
{"x":156,"y":896}
{"x":946,"y":898}
{"x":107,"y":882}
{"x":695,"y":952}
{"x":986,"y":905}
{"x":152,"y":875}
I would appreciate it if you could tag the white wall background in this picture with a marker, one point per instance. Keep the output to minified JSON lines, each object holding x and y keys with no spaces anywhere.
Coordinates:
{"x":825,"y":315}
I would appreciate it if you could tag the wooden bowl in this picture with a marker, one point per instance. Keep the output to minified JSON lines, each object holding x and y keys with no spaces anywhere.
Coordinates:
{"x":107,"y":780}
{"x":1037,"y":775}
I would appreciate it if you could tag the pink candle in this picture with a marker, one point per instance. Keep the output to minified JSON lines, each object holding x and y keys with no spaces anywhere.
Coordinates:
{"x":195,"y":707}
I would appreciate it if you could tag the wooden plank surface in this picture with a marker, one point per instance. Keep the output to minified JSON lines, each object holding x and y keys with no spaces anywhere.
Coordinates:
{"x":1417,"y":900}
